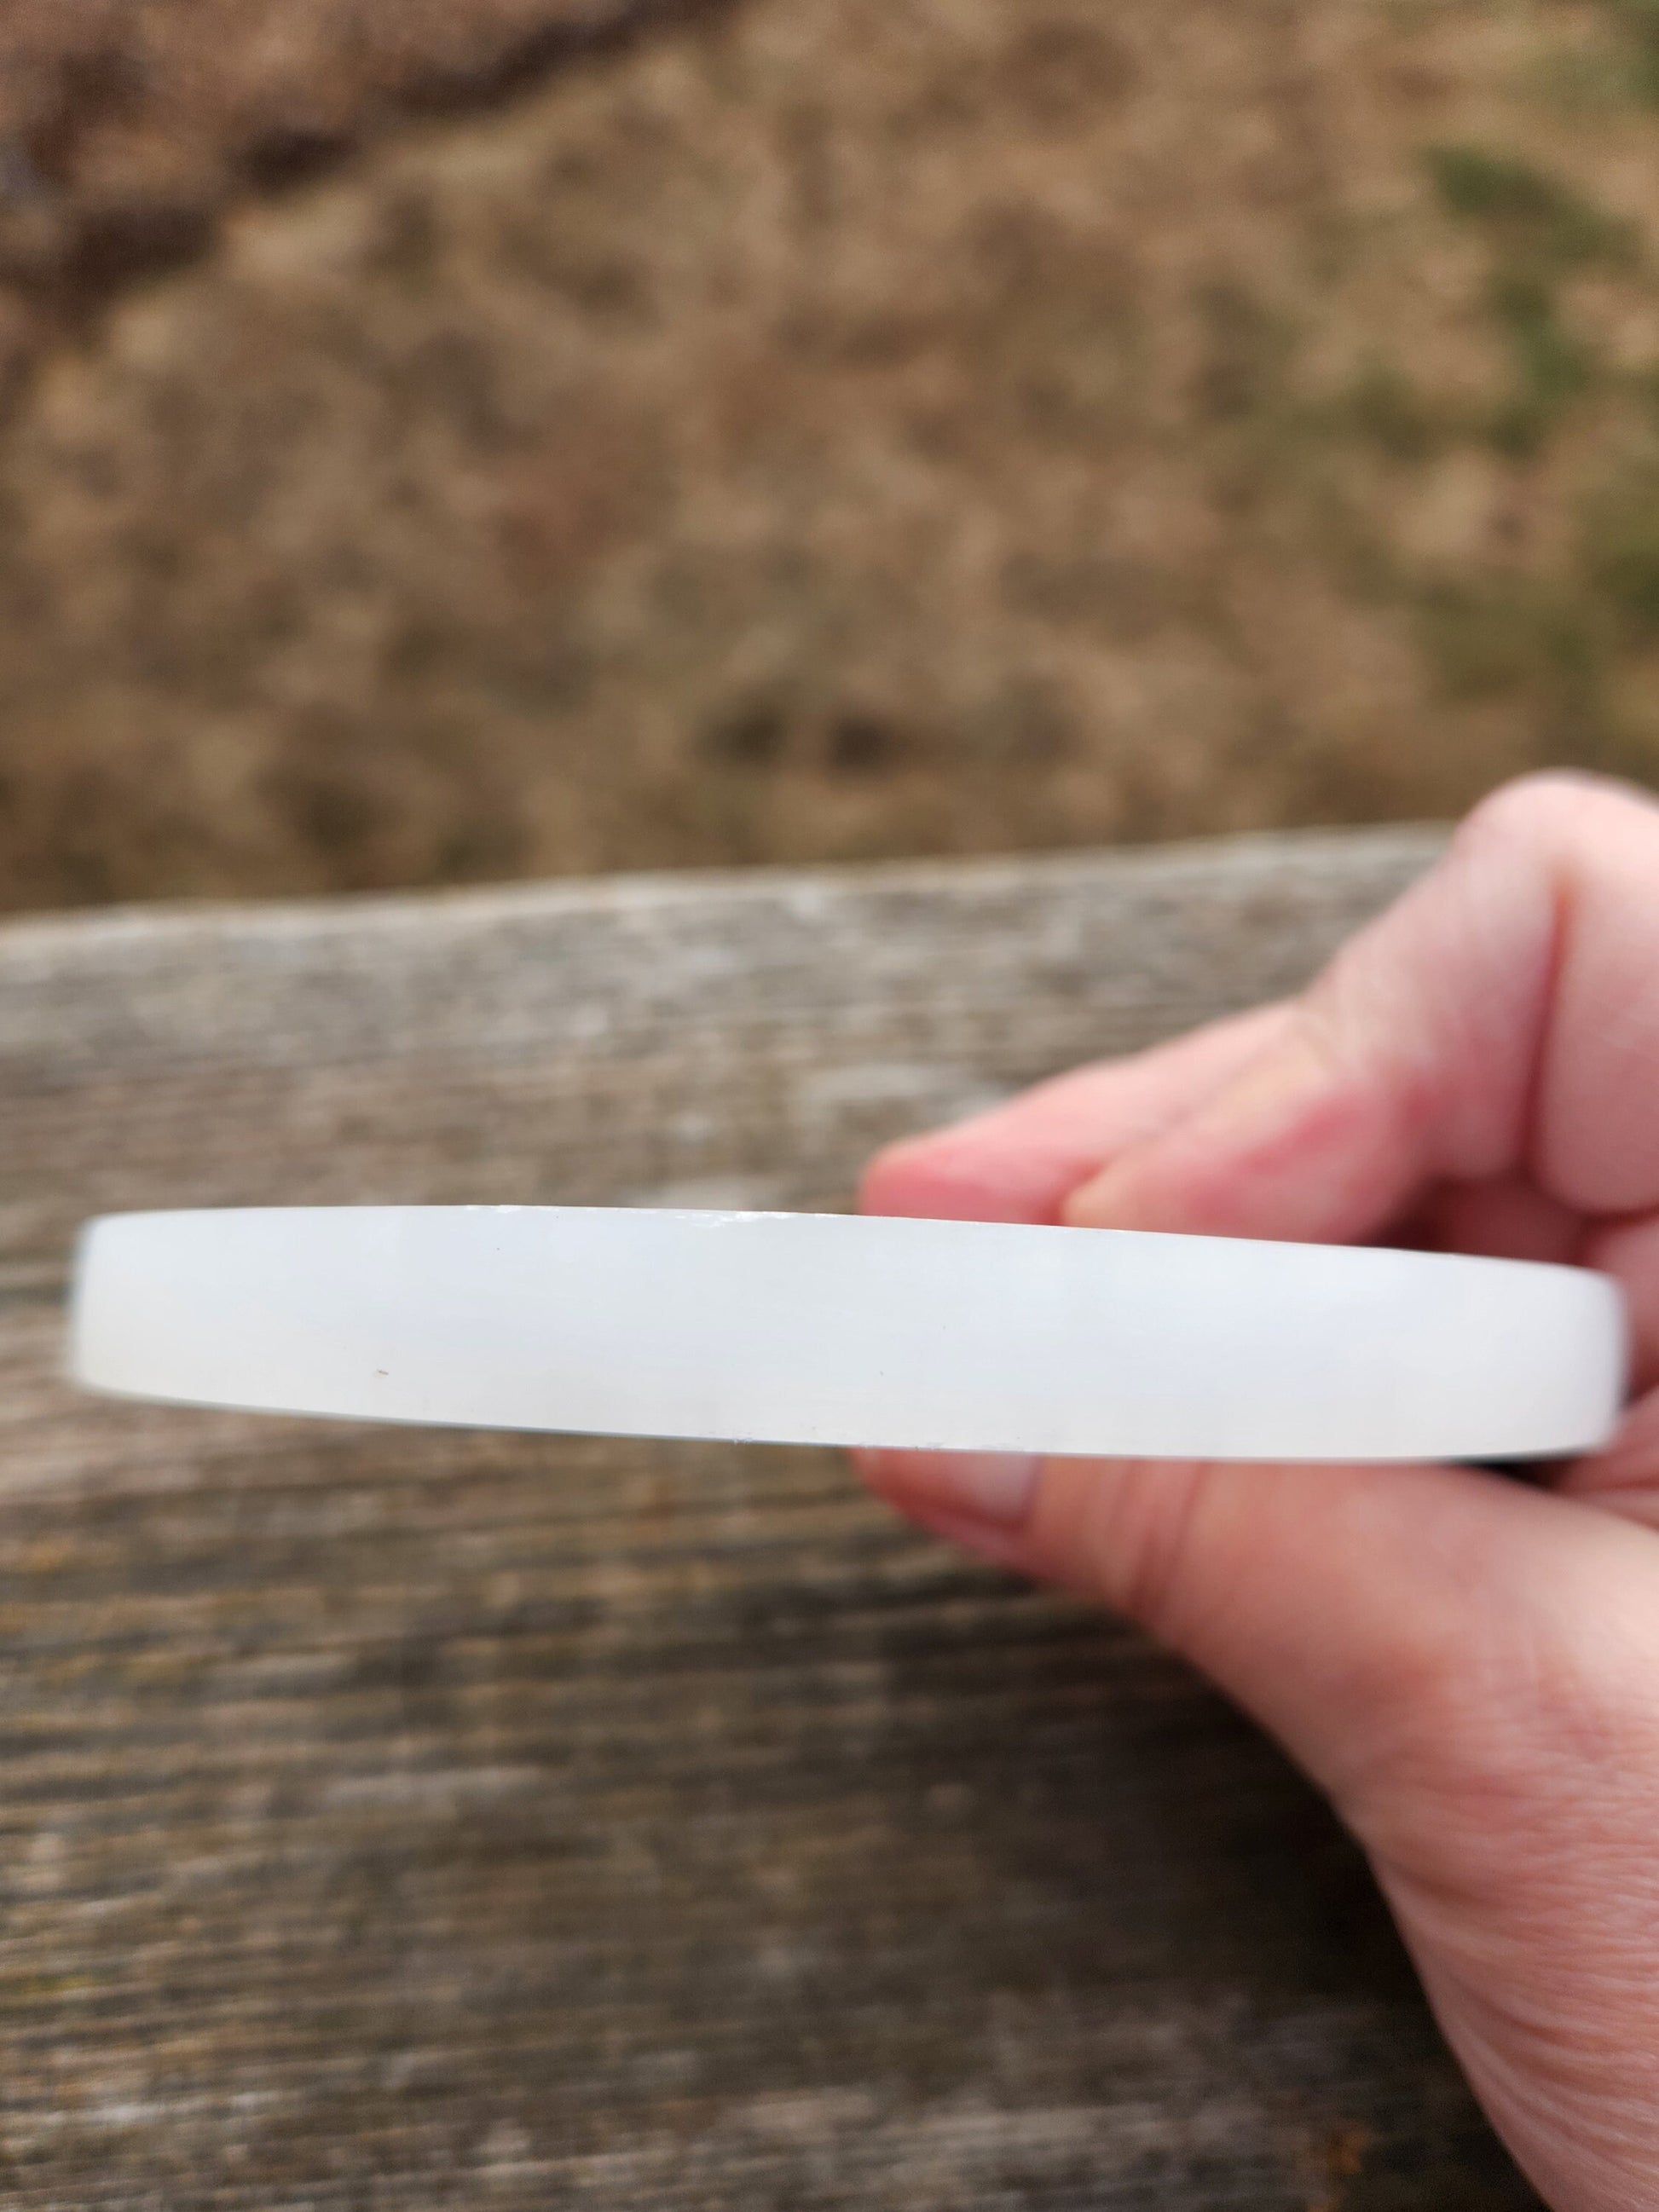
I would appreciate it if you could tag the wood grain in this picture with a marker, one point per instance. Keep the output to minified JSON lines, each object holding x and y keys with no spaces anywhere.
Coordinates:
{"x":405,"y":1819}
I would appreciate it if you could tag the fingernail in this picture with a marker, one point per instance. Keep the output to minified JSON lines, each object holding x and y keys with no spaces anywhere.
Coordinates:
{"x":992,"y":1486}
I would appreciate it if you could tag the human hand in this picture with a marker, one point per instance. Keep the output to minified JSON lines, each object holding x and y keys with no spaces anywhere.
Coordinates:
{"x":1468,"y":1665}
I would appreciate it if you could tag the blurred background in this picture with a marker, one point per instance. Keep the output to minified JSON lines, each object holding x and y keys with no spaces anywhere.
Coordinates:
{"x":443,"y":440}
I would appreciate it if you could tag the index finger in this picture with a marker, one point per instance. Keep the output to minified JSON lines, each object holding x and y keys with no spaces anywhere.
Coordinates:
{"x":1503,"y":1015}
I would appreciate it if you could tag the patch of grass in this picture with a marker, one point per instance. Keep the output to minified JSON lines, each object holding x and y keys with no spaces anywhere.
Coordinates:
{"x":1621,"y":555}
{"x":1531,"y":217}
{"x":1540,"y":232}
{"x":1637,"y":23}
{"x":1384,"y":407}
{"x":1504,"y":634}
{"x":1245,"y":349}
{"x":1551,"y":367}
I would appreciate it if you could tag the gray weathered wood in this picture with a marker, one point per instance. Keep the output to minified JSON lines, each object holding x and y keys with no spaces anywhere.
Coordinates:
{"x":396,"y":1819}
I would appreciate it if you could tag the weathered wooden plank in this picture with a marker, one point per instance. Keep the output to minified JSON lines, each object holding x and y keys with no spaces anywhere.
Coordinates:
{"x":396,"y":1819}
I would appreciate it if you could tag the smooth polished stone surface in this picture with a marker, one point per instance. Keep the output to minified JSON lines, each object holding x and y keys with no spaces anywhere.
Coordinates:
{"x":822,"y":1328}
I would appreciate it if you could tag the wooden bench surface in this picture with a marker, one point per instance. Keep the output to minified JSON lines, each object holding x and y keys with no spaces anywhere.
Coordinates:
{"x":414,"y":1819}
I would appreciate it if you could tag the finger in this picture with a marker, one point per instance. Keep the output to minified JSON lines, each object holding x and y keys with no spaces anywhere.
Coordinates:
{"x":1629,"y":1251}
{"x":1506,"y":1218}
{"x":1466,"y":1666}
{"x":1504,"y":1015}
{"x":1625,"y":1478}
{"x":1019,"y":1162}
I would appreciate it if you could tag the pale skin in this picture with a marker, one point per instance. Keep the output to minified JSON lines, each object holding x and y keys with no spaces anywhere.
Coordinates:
{"x":1468,"y":1665}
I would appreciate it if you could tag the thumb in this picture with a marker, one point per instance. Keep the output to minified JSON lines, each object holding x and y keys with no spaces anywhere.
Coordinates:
{"x":1392,"y":1625}
{"x":1466,"y":1665}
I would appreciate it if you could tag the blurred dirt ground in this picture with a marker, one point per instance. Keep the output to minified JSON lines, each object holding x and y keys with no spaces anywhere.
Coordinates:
{"x":454,"y":442}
